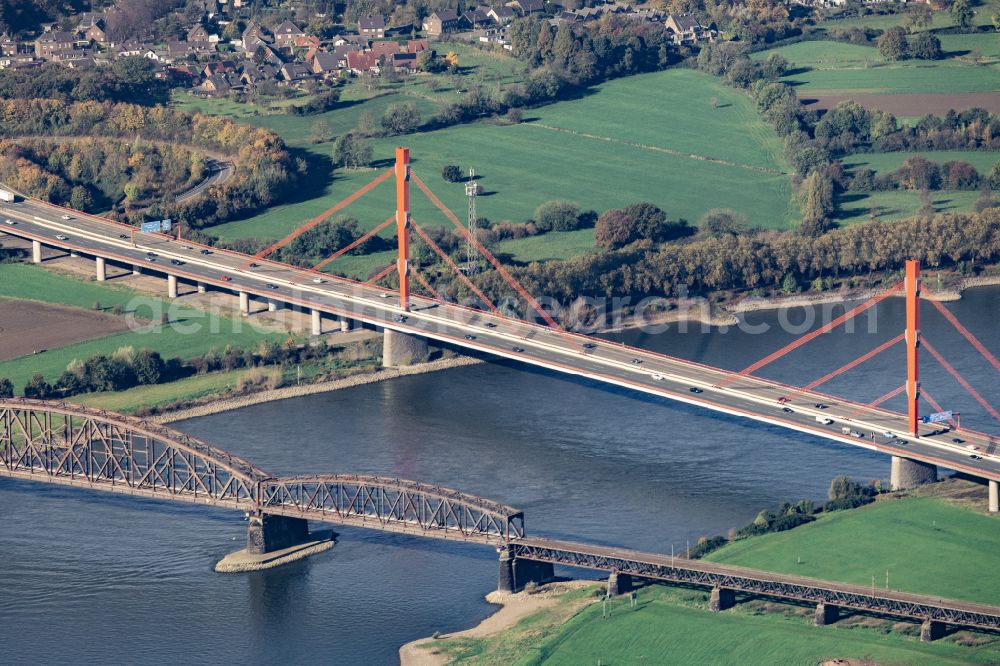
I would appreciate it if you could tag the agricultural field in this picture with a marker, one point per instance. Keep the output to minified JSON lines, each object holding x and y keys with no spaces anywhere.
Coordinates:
{"x":882,"y":21}
{"x":188,"y":333}
{"x":982,"y":160}
{"x":667,"y":137}
{"x":927,"y":544}
{"x":834,"y":68}
{"x":898,"y":204}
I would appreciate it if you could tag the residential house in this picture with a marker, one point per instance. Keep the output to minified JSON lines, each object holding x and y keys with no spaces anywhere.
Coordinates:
{"x":417,"y":45}
{"x":8,"y":47}
{"x":361,"y":61}
{"x":325,"y":64}
{"x":372,"y":27}
{"x":296,"y":72}
{"x":687,"y":29}
{"x":50,"y":42}
{"x":475,"y":18}
{"x":217,"y":84}
{"x":253,"y":37}
{"x":502,"y":15}
{"x":404,"y":62}
{"x":286,"y":34}
{"x":527,"y":6}
{"x":340,"y":53}
{"x":95,"y":33}
{"x":218,"y":67}
{"x":440,"y":22}
{"x":385,"y":48}
{"x":198,"y":34}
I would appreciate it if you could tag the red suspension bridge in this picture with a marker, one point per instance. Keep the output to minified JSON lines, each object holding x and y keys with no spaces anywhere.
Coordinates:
{"x":413,"y":312}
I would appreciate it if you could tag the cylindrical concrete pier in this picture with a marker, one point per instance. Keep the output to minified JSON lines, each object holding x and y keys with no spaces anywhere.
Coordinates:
{"x":994,"y":496}
{"x":317,"y":322}
{"x":73,"y":254}
{"x":136,"y":270}
{"x":36,"y":252}
{"x":272,"y":305}
{"x":403,"y":349}
{"x":201,"y":288}
{"x":102,"y":271}
{"x":244,"y":303}
{"x":906,"y":473}
{"x":172,"y":286}
{"x":345,"y":325}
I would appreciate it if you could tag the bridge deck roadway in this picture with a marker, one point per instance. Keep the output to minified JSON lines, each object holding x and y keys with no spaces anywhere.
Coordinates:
{"x":747,"y":396}
{"x":812,"y":590}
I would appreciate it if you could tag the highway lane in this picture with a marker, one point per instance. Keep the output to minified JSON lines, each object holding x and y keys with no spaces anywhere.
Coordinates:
{"x":750,"y":397}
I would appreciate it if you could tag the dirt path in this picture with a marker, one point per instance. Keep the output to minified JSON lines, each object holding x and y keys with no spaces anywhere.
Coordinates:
{"x":657,"y":149}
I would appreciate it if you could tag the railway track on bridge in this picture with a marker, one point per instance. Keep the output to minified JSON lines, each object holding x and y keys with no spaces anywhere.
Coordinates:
{"x":98,"y":450}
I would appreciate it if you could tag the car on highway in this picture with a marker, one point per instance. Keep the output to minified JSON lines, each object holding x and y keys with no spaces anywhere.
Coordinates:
{"x":383,"y":295}
{"x":204,"y":251}
{"x":788,"y":410}
{"x":889,"y":434}
{"x":9,"y":221}
{"x":253,"y":264}
{"x":188,"y":247}
{"x":824,"y":420}
{"x":400,"y":319}
{"x":490,"y":324}
{"x":177,"y":262}
{"x":957,"y":440}
{"x":589,"y":345}
{"x":470,"y":337}
{"x":695,"y":389}
{"x":123,"y":236}
{"x":319,"y":280}
{"x":782,"y":400}
{"x":516,"y":349}
{"x":975,"y":457}
{"x":637,"y":361}
{"x":271,"y":286}
{"x":819,"y":405}
{"x":66,"y":217}
{"x":150,"y":257}
{"x":657,"y":377}
{"x":225,"y":278}
{"x":61,"y":237}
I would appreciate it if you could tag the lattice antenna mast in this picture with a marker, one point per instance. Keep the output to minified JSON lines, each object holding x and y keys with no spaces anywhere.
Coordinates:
{"x":471,"y":191}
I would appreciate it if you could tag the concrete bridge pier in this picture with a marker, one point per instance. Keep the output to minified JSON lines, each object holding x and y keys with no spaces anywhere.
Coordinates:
{"x":825,"y":614}
{"x":931,"y":631}
{"x":403,"y":349}
{"x":36,"y":252}
{"x":515,"y":573}
{"x":906,"y":473}
{"x":619,"y":583}
{"x":722,"y":599}
{"x":346,"y":325}
{"x":201,"y":288}
{"x":102,"y":270}
{"x":172,"y":286}
{"x":267,"y":533}
{"x":317,"y":322}
{"x":272,"y":305}
{"x":73,"y":254}
{"x":994,"y":496}
{"x":244,"y":303}
{"x":136,"y":270}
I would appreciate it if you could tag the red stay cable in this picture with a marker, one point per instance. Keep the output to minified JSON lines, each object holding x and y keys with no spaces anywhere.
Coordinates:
{"x":855,"y":363}
{"x":961,"y":380}
{"x":344,"y":250}
{"x":343,"y":203}
{"x":529,"y":299}
{"x":381,"y":274}
{"x":853,"y":312}
{"x":967,"y":334}
{"x":444,"y":255}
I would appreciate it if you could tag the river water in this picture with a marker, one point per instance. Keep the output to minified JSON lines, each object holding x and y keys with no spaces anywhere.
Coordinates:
{"x":97,"y":579}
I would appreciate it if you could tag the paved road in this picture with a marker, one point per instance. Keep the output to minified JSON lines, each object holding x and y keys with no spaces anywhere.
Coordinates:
{"x":632,"y":368}
{"x":219,"y":173}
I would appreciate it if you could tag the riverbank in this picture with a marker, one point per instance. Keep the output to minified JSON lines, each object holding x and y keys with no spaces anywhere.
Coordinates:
{"x":552,"y":603}
{"x":943,"y":543}
{"x":270,"y":395}
{"x":702,"y":311}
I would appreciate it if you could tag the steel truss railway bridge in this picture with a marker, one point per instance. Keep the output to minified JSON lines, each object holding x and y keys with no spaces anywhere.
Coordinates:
{"x":97,"y":450}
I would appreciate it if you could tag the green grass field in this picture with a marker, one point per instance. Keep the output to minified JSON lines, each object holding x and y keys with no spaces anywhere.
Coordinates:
{"x":940,"y":20}
{"x":837,"y":68}
{"x":885,"y":162}
{"x":631,"y":140}
{"x":664,"y":630}
{"x":928,"y":545}
{"x":898,"y":204}
{"x":190,"y":332}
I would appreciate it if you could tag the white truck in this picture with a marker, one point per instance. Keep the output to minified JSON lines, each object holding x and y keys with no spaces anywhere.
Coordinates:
{"x":7,"y":196}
